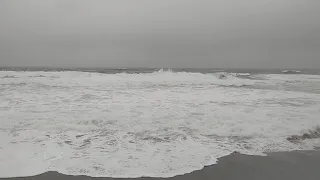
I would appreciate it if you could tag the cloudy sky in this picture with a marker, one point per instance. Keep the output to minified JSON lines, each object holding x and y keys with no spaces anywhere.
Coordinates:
{"x":160,"y":33}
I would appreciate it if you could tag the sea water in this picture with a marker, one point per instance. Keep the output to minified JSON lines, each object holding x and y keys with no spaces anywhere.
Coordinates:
{"x":157,"y":123}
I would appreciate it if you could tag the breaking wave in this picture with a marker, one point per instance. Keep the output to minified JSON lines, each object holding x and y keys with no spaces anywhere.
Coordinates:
{"x":291,"y":72}
{"x":7,"y":76}
{"x":311,"y":134}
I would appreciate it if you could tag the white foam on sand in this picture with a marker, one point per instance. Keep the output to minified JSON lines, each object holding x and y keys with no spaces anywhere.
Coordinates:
{"x":159,"y":124}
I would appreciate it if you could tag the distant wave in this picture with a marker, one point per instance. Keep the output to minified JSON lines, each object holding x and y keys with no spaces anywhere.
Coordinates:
{"x":236,"y":85}
{"x":291,"y":72}
{"x":38,"y":76}
{"x":164,"y":70}
{"x":225,"y":75}
{"x":150,"y":70}
{"x":14,"y":84}
{"x":7,"y":76}
{"x":243,"y":74}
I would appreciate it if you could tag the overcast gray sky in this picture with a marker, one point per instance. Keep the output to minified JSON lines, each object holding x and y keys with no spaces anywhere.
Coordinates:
{"x":160,"y":33}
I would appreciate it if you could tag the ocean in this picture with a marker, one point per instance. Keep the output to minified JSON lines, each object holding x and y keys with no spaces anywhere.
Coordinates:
{"x":150,"y":122}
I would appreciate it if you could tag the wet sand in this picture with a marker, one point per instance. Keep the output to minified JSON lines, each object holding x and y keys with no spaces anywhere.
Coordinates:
{"x":295,"y":165}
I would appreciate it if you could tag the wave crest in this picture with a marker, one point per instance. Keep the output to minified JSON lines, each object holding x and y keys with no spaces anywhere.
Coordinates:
{"x":312,"y":134}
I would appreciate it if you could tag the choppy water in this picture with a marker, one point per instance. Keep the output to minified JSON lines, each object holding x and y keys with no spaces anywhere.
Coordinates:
{"x":123,"y":123}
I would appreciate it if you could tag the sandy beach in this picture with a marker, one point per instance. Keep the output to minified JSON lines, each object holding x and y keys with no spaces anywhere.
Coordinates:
{"x":295,"y":165}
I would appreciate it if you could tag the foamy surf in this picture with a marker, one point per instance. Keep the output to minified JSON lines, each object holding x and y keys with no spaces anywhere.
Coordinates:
{"x":158,"y":124}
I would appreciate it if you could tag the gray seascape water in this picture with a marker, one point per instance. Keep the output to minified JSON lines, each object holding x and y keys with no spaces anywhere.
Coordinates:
{"x":111,"y":122}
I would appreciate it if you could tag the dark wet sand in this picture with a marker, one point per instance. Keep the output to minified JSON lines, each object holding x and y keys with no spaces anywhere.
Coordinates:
{"x":296,"y":165}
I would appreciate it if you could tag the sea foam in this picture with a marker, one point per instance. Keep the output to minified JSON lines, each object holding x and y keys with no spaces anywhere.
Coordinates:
{"x":158,"y":124}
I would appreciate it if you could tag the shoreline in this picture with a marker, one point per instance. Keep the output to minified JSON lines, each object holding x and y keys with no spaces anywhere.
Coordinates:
{"x":293,"y":165}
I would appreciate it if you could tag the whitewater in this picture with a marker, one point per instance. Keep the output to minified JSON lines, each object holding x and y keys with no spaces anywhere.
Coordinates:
{"x":158,"y":124}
